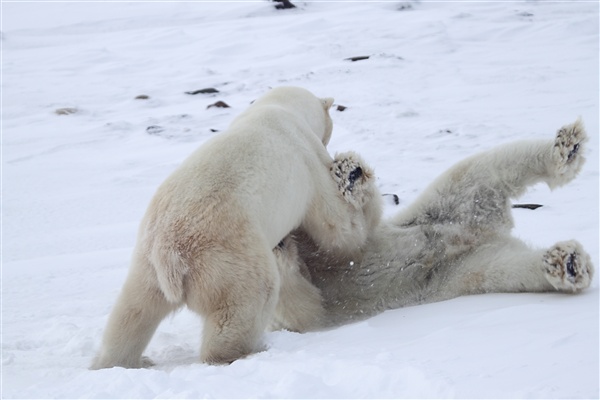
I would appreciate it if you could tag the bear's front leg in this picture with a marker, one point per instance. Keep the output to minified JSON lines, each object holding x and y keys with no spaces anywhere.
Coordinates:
{"x":346,"y":207}
{"x":300,"y":305}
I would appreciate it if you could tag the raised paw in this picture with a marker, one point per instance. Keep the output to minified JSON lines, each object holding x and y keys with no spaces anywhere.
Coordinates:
{"x":567,"y":153}
{"x":353,"y":178}
{"x":568,"y":267}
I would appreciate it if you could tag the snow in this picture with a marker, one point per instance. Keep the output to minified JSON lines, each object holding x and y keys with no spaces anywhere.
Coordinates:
{"x":444,"y":80}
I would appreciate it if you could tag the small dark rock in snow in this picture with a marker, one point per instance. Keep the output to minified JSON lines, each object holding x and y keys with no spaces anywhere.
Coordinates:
{"x":142,"y":97}
{"x":214,"y":130}
{"x":284,"y":4}
{"x":203,"y":91}
{"x":341,"y":107}
{"x":65,"y":111}
{"x":525,"y":14}
{"x":527,"y":206}
{"x":154,"y":129}
{"x":220,"y":104}
{"x":357,"y":58}
{"x":394,"y":197}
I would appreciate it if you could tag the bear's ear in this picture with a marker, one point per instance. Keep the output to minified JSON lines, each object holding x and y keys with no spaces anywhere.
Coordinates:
{"x":327,"y":102}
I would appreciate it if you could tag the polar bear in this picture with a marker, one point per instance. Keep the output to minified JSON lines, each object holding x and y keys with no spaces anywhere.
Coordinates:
{"x":454,"y":239}
{"x":207,"y":238}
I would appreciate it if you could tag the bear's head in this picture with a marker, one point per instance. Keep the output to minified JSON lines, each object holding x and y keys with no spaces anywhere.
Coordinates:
{"x":313,"y":110}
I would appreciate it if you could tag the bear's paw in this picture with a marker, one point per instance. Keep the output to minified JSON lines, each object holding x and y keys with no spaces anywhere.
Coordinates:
{"x":568,"y":267}
{"x":353,"y":178}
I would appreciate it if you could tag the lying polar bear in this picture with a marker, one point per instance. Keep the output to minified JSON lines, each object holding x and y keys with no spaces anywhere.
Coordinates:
{"x":453,"y":240}
{"x":207,"y":238}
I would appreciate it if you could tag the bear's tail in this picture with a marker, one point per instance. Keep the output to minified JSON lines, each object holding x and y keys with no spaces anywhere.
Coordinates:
{"x":170,"y":276}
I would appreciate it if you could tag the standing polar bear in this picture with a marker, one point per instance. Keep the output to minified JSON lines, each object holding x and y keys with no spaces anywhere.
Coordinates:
{"x":207,"y":238}
{"x":454,"y":240}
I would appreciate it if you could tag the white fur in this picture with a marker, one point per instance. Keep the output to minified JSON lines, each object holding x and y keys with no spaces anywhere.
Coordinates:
{"x":455,"y":238}
{"x":208,"y":235}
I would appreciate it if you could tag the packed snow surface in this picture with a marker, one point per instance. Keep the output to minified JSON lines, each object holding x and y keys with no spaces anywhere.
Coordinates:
{"x":443,"y":80}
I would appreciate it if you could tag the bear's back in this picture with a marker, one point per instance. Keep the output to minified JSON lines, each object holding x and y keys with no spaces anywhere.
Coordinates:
{"x":259,"y":170}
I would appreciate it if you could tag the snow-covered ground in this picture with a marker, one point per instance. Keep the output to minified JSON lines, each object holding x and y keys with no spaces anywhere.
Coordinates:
{"x":444,"y":80}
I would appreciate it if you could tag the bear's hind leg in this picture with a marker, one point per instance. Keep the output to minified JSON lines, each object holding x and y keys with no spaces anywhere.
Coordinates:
{"x":567,"y":157}
{"x":140,"y":308}
{"x":568,"y":267}
{"x":507,"y":265}
{"x":476,"y":190}
{"x":237,"y":304}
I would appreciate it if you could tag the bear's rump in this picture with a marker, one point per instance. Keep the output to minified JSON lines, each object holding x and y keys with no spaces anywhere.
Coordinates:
{"x":211,"y":262}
